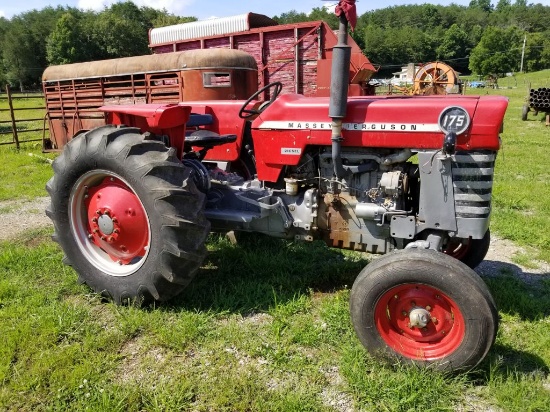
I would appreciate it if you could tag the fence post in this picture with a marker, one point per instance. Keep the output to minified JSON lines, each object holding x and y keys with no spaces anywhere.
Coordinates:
{"x":12,"y":115}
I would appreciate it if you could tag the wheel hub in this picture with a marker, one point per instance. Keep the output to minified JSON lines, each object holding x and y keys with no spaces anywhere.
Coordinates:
{"x":419,"y":321}
{"x":106,"y":225}
{"x":419,"y":317}
{"x":116,"y":220}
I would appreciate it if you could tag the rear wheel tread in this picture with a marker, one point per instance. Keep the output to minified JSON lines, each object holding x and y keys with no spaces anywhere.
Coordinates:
{"x":126,"y":153}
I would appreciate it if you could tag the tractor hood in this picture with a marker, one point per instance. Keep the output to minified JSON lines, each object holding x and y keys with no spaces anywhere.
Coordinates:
{"x":388,"y":121}
{"x":293,"y":122}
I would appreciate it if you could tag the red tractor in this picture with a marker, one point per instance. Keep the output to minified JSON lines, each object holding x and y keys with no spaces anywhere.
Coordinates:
{"x":133,"y":201}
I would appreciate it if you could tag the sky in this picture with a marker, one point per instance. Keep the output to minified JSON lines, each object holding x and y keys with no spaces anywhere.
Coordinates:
{"x":203,"y":9}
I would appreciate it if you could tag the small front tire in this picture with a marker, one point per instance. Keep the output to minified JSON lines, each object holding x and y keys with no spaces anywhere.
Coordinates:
{"x":423,"y":307}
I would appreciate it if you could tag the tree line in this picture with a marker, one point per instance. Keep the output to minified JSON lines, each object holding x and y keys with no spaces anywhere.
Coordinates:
{"x":31,"y":41}
{"x":482,"y":38}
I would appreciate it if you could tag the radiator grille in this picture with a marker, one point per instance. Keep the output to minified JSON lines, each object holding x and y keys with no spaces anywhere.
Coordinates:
{"x":473,"y":183}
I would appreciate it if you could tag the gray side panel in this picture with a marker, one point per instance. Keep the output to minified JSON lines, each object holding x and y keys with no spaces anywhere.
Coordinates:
{"x":437,"y":203}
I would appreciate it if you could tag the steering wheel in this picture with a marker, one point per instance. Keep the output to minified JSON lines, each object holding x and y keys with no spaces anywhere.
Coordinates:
{"x":245,"y":113}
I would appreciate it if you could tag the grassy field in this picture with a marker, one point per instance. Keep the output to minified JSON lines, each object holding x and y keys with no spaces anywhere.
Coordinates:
{"x":522,"y":176}
{"x":265,"y":326}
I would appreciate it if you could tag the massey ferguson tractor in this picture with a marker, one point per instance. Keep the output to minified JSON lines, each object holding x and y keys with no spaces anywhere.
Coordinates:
{"x":410,"y":177}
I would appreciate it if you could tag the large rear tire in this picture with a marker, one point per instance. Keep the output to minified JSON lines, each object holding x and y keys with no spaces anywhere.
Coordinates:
{"x":424,"y":307}
{"x":127,"y":215}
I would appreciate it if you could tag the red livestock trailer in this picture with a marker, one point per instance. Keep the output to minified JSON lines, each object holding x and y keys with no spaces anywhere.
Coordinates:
{"x":75,"y":92}
{"x":298,"y":55}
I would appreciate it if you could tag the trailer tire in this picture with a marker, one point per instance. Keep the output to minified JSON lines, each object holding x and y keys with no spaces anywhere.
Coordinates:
{"x":524,"y":112}
{"x":469,"y":251}
{"x":127,"y":215}
{"x":395,"y":289}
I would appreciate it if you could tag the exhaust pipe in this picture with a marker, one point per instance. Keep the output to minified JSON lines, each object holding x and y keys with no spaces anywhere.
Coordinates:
{"x":341,"y":57}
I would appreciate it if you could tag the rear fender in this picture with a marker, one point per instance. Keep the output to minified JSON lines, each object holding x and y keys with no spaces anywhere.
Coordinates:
{"x":160,"y":119}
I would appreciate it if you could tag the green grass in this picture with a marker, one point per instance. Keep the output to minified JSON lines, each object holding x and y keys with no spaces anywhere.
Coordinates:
{"x":265,"y":326}
{"x":240,"y":338}
{"x":521,"y":202}
{"x":28,"y":106}
{"x":23,"y":176}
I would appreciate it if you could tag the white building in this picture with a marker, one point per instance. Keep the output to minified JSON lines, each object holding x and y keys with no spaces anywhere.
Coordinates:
{"x":406,"y":75}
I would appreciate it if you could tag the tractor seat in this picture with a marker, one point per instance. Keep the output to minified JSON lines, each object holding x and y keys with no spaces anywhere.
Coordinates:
{"x":199,"y":120}
{"x":207,"y":138}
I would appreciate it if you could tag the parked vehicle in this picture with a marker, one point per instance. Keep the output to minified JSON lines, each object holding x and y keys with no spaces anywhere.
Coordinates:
{"x":410,"y":177}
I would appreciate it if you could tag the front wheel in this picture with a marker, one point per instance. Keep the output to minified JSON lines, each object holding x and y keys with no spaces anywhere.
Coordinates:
{"x":127,"y":215}
{"x":424,"y":307}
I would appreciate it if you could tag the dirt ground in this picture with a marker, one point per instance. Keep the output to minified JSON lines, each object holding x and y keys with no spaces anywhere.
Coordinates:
{"x":17,"y":216}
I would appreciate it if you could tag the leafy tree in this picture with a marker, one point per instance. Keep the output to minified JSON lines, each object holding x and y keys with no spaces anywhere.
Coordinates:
{"x":537,"y":52}
{"x":66,"y":42}
{"x":455,"y":45}
{"x":119,"y":31}
{"x":24,"y":45}
{"x":503,"y":6}
{"x":19,"y":58}
{"x":497,"y":52}
{"x":484,"y":5}
{"x":166,"y":19}
{"x":397,"y":46}
{"x":3,"y":28}
{"x":321,"y":13}
{"x":291,"y":17}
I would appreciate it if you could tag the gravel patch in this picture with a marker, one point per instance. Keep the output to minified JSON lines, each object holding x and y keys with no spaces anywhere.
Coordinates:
{"x":16,"y":216}
{"x":499,"y":261}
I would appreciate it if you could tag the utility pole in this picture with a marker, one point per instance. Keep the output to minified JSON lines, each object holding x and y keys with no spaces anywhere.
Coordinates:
{"x":522,"y":54}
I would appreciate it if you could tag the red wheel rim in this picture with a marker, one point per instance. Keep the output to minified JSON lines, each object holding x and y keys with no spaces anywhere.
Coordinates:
{"x":109,"y":223}
{"x":117,"y":220}
{"x":441,"y":336}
